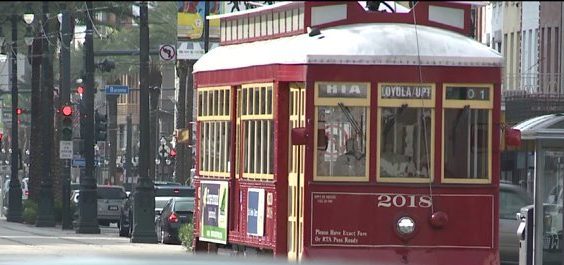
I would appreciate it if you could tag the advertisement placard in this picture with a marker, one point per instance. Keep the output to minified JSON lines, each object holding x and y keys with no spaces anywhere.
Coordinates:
{"x":214,"y":208}
{"x":255,"y":212}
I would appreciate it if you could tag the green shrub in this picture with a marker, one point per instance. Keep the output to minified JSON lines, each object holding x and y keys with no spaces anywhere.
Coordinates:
{"x":29,"y":211}
{"x":186,"y":235}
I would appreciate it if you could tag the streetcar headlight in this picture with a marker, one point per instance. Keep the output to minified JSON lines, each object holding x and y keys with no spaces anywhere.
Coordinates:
{"x":405,"y":226}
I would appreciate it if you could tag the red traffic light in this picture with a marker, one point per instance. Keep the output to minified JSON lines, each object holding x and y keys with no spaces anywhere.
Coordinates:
{"x":80,"y":90}
{"x":67,"y":110}
{"x":19,"y":111}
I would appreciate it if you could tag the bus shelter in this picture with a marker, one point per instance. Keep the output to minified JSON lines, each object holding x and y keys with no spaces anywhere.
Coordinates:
{"x":543,"y":138}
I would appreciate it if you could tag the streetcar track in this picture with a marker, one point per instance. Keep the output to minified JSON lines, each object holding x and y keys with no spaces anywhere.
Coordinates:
{"x":43,"y":235}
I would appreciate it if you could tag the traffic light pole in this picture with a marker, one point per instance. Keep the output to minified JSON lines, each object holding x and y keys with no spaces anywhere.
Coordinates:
{"x":15,"y":193}
{"x":64,"y":100}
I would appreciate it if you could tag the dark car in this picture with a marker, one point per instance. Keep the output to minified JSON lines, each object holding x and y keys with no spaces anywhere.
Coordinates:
{"x":511,"y":199}
{"x":177,"y":211}
{"x":162,"y":194}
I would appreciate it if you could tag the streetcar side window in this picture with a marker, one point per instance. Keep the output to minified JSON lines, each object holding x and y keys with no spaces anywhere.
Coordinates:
{"x":342,"y":115}
{"x":467,"y":133}
{"x":406,"y":132}
{"x":256,"y":127}
{"x":215,"y":131}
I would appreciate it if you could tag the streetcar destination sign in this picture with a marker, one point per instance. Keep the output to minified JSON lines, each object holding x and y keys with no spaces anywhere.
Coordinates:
{"x":406,"y":91}
{"x":467,"y":93}
{"x":343,"y":90}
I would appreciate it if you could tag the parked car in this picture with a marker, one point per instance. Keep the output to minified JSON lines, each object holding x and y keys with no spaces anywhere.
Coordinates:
{"x":162,"y":194}
{"x":110,"y":201}
{"x":511,"y":199}
{"x":177,"y":211}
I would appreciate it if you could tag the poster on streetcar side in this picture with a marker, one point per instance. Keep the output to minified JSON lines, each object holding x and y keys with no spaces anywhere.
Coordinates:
{"x":255,"y":212}
{"x":213,"y":205}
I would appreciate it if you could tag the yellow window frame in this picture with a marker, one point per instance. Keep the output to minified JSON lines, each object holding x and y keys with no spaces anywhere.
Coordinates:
{"x":474,"y":104}
{"x":411,"y":103}
{"x":349,"y":102}
{"x":252,"y":112}
{"x":214,"y":112}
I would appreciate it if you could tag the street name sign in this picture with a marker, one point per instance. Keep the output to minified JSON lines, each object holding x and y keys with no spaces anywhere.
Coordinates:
{"x":116,"y":89}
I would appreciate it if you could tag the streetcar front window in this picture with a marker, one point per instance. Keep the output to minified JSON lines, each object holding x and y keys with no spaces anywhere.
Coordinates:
{"x":405,"y":142}
{"x":466,"y":143}
{"x":345,"y":154}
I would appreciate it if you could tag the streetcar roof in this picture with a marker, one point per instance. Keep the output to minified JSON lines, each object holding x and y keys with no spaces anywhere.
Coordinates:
{"x":549,"y":126}
{"x":357,"y":44}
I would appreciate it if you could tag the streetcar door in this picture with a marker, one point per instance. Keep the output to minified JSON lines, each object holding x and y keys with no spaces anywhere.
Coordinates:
{"x":295,"y":175}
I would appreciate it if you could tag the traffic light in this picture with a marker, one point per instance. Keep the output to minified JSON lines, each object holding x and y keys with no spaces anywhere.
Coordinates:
{"x":66,"y":131}
{"x":19,"y":111}
{"x":100,"y":130}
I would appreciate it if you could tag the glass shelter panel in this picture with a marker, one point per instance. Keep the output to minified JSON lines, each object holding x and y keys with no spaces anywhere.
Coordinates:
{"x":553,"y":177}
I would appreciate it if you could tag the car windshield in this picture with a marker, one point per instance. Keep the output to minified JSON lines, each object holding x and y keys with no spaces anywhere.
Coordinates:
{"x":184,"y":206}
{"x":160,"y":203}
{"x":111,"y":193}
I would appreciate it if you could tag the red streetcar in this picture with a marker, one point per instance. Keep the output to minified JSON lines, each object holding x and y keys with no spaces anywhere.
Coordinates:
{"x":325,"y":130}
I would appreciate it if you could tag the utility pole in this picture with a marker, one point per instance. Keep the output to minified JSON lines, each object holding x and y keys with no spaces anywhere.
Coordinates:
{"x":36,"y":125}
{"x":112,"y":137}
{"x":45,"y":211}
{"x":128,"y":150}
{"x":144,"y":203}
{"x":15,"y":193}
{"x":180,"y":165}
{"x":88,"y":199}
{"x":64,"y":100}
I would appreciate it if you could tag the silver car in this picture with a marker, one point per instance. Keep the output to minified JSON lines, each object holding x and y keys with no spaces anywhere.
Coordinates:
{"x":511,"y":199}
{"x":110,"y":201}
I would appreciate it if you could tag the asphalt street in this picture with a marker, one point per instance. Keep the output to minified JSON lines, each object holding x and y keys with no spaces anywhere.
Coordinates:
{"x":20,"y":242}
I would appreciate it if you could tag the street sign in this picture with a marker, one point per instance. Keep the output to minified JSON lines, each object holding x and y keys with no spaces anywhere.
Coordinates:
{"x":78,"y":162}
{"x":167,"y":52}
{"x":65,"y":150}
{"x":116,"y":89}
{"x":192,"y":50}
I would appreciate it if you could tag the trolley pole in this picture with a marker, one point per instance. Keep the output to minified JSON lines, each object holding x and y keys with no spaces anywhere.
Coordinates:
{"x":144,"y":203}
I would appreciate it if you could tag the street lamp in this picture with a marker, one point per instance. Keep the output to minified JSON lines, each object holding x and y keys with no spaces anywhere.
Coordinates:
{"x":15,"y":192}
